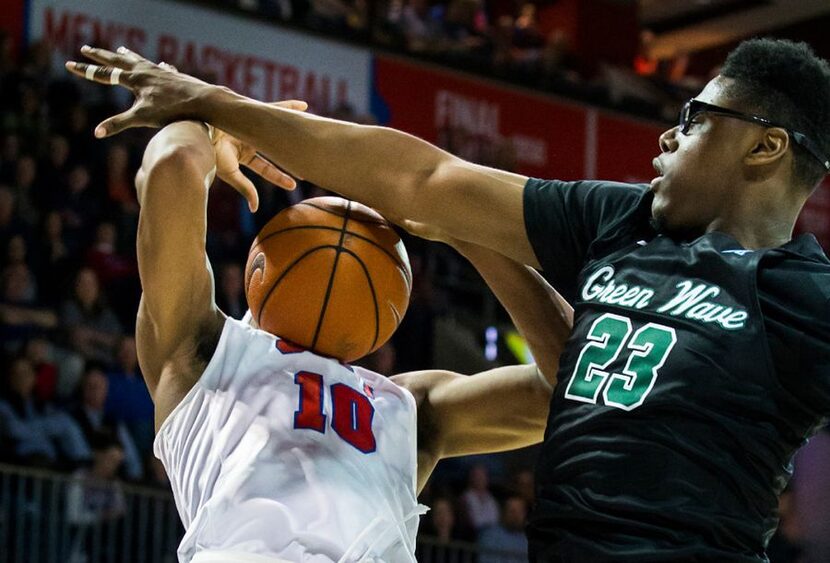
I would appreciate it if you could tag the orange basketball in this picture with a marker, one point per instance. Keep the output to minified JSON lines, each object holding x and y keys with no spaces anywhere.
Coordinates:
{"x":329,"y":275}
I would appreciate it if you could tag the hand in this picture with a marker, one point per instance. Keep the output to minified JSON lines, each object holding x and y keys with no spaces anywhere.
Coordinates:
{"x":162,"y":95}
{"x":231,"y":152}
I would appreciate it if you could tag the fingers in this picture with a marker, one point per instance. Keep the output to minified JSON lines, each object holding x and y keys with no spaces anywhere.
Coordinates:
{"x":101,"y":74}
{"x":132,"y":55}
{"x":108,"y":58}
{"x":117,"y":123}
{"x":267,"y":170}
{"x":244,"y":186}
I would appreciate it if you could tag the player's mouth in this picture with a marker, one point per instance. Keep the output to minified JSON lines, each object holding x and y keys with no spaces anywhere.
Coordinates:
{"x":658,"y":167}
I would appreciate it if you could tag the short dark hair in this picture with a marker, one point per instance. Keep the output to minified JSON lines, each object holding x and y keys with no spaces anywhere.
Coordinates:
{"x":788,"y":84}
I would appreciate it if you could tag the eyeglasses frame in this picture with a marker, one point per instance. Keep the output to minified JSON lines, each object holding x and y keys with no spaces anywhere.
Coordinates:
{"x":695,"y":107}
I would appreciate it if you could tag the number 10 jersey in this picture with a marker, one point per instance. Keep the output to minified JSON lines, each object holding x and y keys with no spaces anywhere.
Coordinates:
{"x":280,"y":452}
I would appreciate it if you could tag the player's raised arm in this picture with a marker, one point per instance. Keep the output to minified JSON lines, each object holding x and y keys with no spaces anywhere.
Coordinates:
{"x":391,"y":171}
{"x":540,"y":314}
{"x":177,"y":303}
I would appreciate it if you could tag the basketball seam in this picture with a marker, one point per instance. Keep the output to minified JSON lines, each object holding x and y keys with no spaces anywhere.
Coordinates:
{"x":391,"y":256}
{"x":284,"y":273}
{"x":374,"y":294}
{"x":331,"y":277}
{"x":332,"y":212}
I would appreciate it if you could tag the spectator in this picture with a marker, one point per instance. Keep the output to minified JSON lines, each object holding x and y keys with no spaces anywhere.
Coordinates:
{"x":528,"y":40}
{"x":442,"y":520}
{"x":121,"y":195}
{"x":128,"y":398}
{"x":95,"y":498}
{"x":16,"y":251}
{"x":465,"y":26}
{"x":54,"y":259}
{"x":440,"y":526}
{"x":53,"y":172}
{"x":78,"y":205}
{"x":413,"y":21}
{"x":36,"y":351}
{"x":94,"y":421}
{"x":92,"y":328}
{"x":506,"y":542}
{"x":480,"y":505}
{"x":119,"y":179}
{"x":25,"y":191}
{"x":21,"y":316}
{"x":104,"y":259}
{"x":37,"y":433}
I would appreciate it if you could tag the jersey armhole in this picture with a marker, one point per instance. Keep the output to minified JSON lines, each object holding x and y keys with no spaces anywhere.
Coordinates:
{"x":413,"y":435}
{"x":214,"y":359}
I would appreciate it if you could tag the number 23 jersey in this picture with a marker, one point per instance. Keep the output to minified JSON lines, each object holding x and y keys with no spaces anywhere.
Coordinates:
{"x":280,"y":452}
{"x":694,"y":371}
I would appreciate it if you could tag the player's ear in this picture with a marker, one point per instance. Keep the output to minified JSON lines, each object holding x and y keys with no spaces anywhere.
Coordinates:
{"x":771,"y":146}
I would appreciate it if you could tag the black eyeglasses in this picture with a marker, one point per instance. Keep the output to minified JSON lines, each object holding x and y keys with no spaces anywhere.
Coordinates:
{"x":694,"y":107}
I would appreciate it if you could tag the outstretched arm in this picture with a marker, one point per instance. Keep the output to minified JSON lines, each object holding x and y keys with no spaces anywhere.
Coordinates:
{"x":393,"y":172}
{"x":540,"y":314}
{"x":492,"y":411}
{"x":504,"y":408}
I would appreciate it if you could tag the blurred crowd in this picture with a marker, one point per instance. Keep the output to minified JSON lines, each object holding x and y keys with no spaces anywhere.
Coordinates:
{"x":507,"y":39}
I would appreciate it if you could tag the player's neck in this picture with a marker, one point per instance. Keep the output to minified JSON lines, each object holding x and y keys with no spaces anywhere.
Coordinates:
{"x":763,"y":218}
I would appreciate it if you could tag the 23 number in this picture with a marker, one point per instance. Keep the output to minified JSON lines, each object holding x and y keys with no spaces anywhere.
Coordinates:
{"x":647,"y":348}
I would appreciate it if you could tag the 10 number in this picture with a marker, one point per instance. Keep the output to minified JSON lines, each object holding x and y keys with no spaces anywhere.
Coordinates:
{"x":352,"y":412}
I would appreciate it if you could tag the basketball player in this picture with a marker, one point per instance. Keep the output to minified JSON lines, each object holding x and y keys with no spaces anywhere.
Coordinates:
{"x":278,"y":454}
{"x":700,"y":356}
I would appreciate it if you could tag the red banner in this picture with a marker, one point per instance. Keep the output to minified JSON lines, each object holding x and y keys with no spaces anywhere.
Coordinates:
{"x":625,"y":149}
{"x":480,"y":121}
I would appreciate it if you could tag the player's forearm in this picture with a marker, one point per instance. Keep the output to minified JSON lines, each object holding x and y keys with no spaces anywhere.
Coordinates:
{"x":541,"y":315}
{"x":380,"y":167}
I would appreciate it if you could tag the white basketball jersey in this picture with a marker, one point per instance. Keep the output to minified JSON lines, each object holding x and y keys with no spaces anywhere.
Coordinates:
{"x":283,"y":453}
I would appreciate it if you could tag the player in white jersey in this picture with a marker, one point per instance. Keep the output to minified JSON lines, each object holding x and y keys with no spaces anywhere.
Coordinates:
{"x":277,"y":454}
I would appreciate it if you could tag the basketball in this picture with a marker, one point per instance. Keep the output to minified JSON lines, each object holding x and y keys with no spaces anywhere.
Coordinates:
{"x":329,"y":275}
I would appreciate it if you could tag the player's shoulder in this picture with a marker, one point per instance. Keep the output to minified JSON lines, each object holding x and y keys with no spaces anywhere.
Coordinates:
{"x":595,"y":188}
{"x":799,"y":267}
{"x":794,"y":280}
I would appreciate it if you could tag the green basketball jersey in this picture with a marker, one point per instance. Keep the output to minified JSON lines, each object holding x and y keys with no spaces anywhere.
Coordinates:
{"x":694,"y":372}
